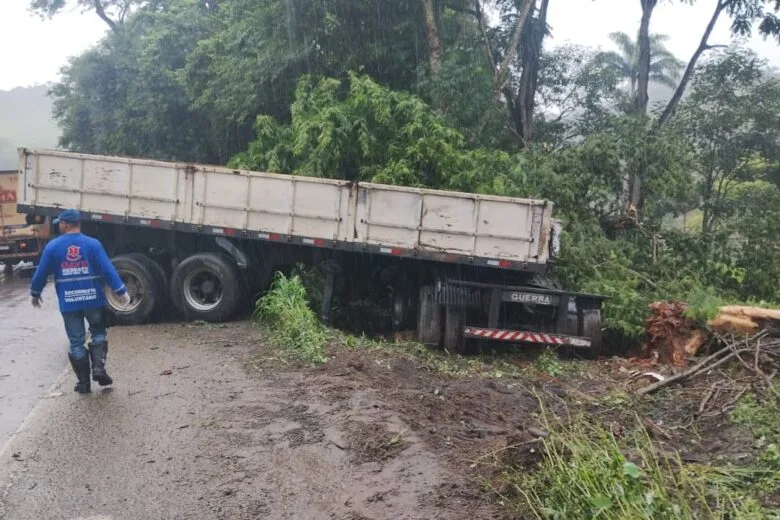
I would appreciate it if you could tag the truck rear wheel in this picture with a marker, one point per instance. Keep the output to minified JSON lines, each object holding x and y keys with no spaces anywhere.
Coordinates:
{"x":591,"y":328}
{"x":143,"y":287}
{"x":206,"y":287}
{"x":159,"y":274}
{"x":429,"y":318}
{"x":454,"y":338}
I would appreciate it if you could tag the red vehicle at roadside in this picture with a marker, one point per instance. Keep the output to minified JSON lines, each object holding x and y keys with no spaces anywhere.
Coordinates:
{"x":19,"y":240}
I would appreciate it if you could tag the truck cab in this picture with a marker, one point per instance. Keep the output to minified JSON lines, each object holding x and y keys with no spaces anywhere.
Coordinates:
{"x":21,"y":237}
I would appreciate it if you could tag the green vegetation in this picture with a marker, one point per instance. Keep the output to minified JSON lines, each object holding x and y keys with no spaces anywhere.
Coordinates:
{"x":703,"y":304}
{"x":762,"y":417}
{"x":487,"y":366}
{"x":294,"y":325}
{"x":585,"y":471}
{"x":548,"y":363}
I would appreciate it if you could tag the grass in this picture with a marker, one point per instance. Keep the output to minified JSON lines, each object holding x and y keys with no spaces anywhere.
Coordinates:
{"x":583,"y":471}
{"x":294,"y":326}
{"x":762,"y":417}
{"x":489,"y":366}
{"x":549,"y":363}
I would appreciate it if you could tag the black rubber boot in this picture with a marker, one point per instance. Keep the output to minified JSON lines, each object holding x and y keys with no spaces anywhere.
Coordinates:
{"x":98,"y":352}
{"x":81,"y":368}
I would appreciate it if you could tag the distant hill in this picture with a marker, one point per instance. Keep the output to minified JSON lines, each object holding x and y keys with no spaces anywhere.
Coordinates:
{"x":25,"y":120}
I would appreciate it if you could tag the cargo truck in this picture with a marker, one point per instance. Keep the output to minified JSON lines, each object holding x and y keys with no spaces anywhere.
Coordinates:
{"x":19,"y":241}
{"x":460,"y":268}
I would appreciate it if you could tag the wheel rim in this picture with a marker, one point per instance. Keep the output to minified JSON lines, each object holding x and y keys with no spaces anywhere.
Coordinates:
{"x":203,"y":290}
{"x":136,"y":290}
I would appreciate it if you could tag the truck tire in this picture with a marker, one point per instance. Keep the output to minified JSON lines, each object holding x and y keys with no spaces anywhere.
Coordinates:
{"x":159,"y":274}
{"x":206,"y":287}
{"x":454,"y":339}
{"x":591,"y":328}
{"x":429,"y":318}
{"x":143,"y":287}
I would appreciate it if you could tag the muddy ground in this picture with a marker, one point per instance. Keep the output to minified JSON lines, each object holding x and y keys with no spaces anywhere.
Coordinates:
{"x":210,"y":422}
{"x":206,"y":422}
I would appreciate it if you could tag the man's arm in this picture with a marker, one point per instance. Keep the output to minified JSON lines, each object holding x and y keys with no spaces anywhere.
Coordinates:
{"x":108,"y":272}
{"x":42,"y":273}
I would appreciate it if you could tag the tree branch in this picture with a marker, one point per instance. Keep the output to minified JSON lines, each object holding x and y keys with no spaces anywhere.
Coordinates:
{"x":688,"y":74}
{"x":101,"y":12}
{"x":529,"y":78}
{"x":511,"y":51}
{"x":483,"y":31}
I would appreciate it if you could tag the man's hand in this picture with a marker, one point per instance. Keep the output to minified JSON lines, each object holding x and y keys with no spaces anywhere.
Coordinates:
{"x":36,"y":302}
{"x":125,"y":299}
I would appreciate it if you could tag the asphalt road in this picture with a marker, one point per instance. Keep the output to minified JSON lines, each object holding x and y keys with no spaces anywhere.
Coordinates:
{"x":126,"y":452}
{"x":33,"y":351}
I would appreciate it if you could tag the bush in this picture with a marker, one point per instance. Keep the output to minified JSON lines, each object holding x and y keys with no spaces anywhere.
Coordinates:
{"x":294,"y":325}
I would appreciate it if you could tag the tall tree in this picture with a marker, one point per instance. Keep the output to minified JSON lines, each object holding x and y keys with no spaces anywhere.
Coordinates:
{"x":732,"y":121}
{"x":129,"y":95}
{"x":644,"y":55}
{"x":665,"y":68}
{"x":216,"y":65}
{"x":531,"y":51}
{"x":662,"y":68}
{"x":259,"y":49}
{"x":514,"y":48}
{"x":519,"y":16}
{"x":432,"y":34}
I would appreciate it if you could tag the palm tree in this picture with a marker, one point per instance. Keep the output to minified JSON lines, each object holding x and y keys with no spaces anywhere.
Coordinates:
{"x":665,"y":68}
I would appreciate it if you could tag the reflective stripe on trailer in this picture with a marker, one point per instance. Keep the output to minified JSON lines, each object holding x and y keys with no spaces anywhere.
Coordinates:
{"x":517,"y":336}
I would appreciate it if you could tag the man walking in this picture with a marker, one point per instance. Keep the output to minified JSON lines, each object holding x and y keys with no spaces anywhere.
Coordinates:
{"x":80,"y":267}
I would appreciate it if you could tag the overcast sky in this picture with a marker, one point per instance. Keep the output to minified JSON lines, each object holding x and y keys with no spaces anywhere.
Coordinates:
{"x":33,"y":50}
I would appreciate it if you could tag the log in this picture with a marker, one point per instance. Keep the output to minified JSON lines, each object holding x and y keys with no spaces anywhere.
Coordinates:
{"x":725,"y":323}
{"x":750,"y":312}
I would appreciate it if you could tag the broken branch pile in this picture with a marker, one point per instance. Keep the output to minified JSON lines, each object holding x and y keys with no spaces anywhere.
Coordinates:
{"x":747,"y":335}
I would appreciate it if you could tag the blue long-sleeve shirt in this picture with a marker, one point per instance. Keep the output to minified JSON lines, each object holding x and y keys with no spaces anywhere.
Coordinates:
{"x":80,"y":267}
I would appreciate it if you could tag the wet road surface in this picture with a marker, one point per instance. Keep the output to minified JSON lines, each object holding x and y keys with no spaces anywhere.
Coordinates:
{"x":122,"y":452}
{"x":33,"y":351}
{"x":186,"y":432}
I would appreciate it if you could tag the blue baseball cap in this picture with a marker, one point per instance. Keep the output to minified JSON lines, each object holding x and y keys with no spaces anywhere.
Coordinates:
{"x":71,"y":216}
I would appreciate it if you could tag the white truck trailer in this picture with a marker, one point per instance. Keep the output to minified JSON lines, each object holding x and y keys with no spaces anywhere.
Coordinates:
{"x":457,"y":266}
